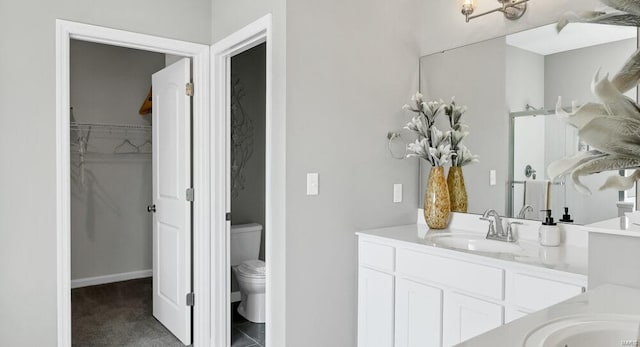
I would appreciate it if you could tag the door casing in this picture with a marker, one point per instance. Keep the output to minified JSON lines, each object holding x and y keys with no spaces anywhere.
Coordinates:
{"x":255,"y":33}
{"x":201,"y":136}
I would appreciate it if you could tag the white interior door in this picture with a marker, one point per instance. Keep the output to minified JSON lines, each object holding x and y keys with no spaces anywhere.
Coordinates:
{"x":171,"y":137}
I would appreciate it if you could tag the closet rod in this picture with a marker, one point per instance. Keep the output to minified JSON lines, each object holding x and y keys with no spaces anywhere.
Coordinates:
{"x":110,"y":125}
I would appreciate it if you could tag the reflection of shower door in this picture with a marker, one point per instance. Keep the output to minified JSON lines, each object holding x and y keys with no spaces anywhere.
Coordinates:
{"x":172,"y":210}
{"x":538,"y":140}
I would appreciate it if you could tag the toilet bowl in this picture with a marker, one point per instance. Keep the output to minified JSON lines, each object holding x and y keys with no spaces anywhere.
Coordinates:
{"x":251,"y":280}
{"x":248,"y":271}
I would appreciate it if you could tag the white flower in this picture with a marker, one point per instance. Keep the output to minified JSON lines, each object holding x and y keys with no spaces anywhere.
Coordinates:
{"x":431,"y":109}
{"x":456,"y":137}
{"x":417,"y":101}
{"x":418,"y":125}
{"x":454,"y":113}
{"x":420,"y":149}
{"x":437,"y":136}
{"x":440,"y":154}
{"x":464,"y":157}
{"x":433,"y":145}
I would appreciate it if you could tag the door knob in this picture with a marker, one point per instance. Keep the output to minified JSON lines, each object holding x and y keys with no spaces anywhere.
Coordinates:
{"x":151,"y":208}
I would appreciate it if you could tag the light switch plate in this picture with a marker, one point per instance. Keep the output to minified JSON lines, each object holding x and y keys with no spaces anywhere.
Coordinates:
{"x":312,"y":184}
{"x":397,"y":192}
{"x":492,"y":177}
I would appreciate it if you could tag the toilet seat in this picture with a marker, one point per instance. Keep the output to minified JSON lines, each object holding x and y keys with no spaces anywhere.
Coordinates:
{"x":254,"y":269}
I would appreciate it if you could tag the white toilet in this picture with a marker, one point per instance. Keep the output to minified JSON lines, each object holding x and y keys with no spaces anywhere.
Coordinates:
{"x":249,"y":270}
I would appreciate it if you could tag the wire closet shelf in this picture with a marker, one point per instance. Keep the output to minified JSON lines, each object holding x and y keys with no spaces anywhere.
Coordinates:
{"x":110,"y":127}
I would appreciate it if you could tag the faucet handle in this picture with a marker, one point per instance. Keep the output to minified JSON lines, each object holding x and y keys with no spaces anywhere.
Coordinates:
{"x":492,"y":230}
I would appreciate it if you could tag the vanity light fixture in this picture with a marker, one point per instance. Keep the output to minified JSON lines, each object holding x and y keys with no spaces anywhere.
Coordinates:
{"x":512,"y":9}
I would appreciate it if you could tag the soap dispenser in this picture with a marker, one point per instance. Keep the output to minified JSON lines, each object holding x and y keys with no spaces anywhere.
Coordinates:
{"x":549,"y":233}
{"x":566,"y":217}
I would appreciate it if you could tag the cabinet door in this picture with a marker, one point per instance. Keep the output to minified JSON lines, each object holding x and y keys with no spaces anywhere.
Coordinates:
{"x":466,"y":317}
{"x":375,"y":308}
{"x":418,"y":315}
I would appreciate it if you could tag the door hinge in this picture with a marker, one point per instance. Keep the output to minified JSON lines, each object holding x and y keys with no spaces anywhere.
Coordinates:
{"x":228,"y":216}
{"x":189,"y":89}
{"x":189,"y":194}
{"x":190,"y":299}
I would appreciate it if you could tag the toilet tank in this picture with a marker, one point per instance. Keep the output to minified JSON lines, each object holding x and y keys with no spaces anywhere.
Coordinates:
{"x":245,"y":242}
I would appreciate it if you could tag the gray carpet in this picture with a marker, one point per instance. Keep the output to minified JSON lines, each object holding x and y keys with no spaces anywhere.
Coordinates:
{"x":117,"y":314}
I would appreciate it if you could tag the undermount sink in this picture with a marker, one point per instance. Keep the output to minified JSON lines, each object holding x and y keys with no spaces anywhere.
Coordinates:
{"x":472,"y":242}
{"x":586,"y":331}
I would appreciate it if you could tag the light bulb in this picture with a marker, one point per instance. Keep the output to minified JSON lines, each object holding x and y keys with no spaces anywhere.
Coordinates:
{"x":467,"y":8}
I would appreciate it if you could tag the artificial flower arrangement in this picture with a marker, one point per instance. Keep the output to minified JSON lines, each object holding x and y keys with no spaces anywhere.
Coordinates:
{"x":612,"y":126}
{"x":440,"y":148}
{"x":433,"y":145}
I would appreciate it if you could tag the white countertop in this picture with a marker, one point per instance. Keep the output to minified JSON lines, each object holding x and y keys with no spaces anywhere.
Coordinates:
{"x":566,"y":258}
{"x":607,"y":300}
{"x":621,"y":226}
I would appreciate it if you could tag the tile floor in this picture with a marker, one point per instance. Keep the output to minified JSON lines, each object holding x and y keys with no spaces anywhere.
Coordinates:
{"x":243,"y":332}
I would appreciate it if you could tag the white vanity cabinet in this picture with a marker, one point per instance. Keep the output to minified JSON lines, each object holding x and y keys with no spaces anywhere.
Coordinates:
{"x":376,"y":294}
{"x":418,"y":314}
{"x":414,"y":295}
{"x":466,"y":317}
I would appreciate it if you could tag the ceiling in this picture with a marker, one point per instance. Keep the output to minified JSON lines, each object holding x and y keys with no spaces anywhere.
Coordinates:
{"x":545,"y":40}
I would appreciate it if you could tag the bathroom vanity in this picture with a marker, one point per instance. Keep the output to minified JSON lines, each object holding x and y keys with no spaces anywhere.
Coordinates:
{"x":605,"y":316}
{"x":437,"y":288}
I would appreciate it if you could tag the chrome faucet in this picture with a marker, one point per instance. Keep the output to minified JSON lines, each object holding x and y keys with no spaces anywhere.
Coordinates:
{"x":524,"y":210}
{"x":493,"y":231}
{"x":496,"y":230}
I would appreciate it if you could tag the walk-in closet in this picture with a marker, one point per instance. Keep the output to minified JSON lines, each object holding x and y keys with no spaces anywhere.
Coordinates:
{"x":112,"y":224}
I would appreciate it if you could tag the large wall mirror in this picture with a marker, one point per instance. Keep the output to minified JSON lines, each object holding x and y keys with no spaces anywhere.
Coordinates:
{"x":511,"y":86}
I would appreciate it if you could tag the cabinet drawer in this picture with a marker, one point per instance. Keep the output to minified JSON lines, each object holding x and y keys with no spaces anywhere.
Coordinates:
{"x":478,"y":279}
{"x":376,"y":255}
{"x":536,"y":293}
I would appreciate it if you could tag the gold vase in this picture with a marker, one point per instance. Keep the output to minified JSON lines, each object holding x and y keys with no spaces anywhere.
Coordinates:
{"x":457,"y":190}
{"x":436,"y":200}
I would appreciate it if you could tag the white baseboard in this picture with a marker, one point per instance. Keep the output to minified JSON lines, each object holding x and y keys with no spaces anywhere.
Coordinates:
{"x":92,"y":281}
{"x":235,"y":296}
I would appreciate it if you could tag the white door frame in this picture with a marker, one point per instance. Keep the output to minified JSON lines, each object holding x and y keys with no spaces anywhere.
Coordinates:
{"x":248,"y":37}
{"x":65,"y":31}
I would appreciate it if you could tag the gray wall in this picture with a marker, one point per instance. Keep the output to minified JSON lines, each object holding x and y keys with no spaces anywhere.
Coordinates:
{"x":350,"y":67}
{"x":249,"y":68}
{"x":570,"y":73}
{"x":27,"y":123}
{"x":111,"y":230}
{"x":524,"y":79}
{"x":481,"y":87}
